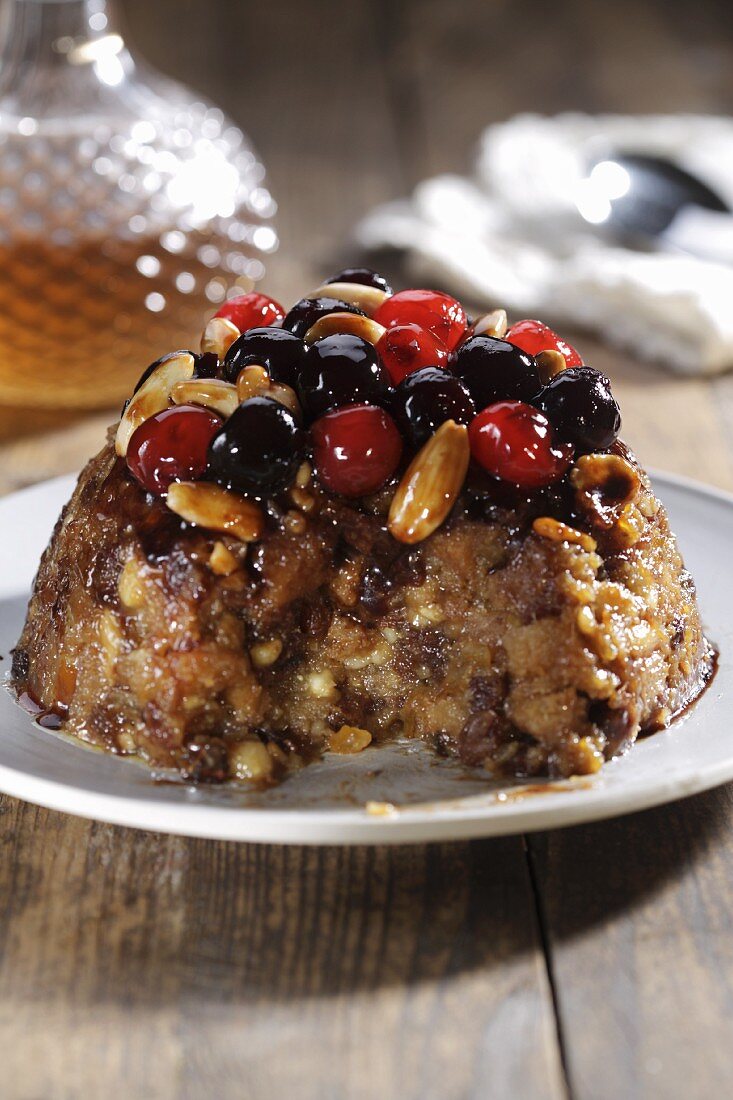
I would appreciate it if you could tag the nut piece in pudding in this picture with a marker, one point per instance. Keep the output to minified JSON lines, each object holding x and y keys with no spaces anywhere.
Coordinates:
{"x":369,"y":546}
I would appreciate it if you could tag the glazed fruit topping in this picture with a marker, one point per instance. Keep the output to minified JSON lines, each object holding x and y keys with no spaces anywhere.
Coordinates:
{"x":425,"y":400}
{"x":365,"y":383}
{"x":279,"y":351}
{"x":494,"y":369}
{"x":172,"y":446}
{"x":258,"y":449}
{"x":406,"y":348}
{"x":580,"y":405}
{"x":309,"y":310}
{"x":534,"y":337}
{"x":251,"y":310}
{"x":361,"y":275}
{"x":437,"y":312}
{"x":356,"y":449}
{"x":341,"y":370}
{"x":515,"y":442}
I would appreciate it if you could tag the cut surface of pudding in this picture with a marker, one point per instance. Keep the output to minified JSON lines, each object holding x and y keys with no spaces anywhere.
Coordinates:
{"x":235,"y":628}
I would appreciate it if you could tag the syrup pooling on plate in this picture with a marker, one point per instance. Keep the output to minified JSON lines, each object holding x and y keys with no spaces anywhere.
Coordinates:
{"x":358,"y":381}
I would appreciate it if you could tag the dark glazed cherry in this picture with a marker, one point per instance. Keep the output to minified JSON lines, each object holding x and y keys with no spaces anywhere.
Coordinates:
{"x":494,"y":369}
{"x":580,"y":406}
{"x":426,"y":399}
{"x":356,"y":449}
{"x":535,"y":336}
{"x":279,"y":351}
{"x":406,"y":348}
{"x":172,"y":446}
{"x":363,"y":275}
{"x":309,"y":310}
{"x":258,"y":449}
{"x":515,"y":442}
{"x":439,"y":313}
{"x":341,"y":370}
{"x":250,"y":310}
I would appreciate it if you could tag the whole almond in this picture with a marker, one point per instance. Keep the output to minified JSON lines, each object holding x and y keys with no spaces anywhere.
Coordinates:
{"x":367,"y":298}
{"x":252,"y":381}
{"x":219,"y":335}
{"x":492,"y":324}
{"x":153,"y":396}
{"x":216,"y":509}
{"x":431,"y":484}
{"x":352,"y":323}
{"x":550,"y":363}
{"x":211,"y":393}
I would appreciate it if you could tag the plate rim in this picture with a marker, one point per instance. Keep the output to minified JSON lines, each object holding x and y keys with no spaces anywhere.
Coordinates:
{"x":426,"y":822}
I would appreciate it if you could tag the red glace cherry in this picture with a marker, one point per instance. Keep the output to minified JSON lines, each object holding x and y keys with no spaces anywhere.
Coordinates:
{"x":406,"y":348}
{"x":356,"y":448}
{"x":253,"y":310}
{"x":171,"y":446}
{"x":514,"y":442}
{"x":535,"y":336}
{"x":439,"y":313}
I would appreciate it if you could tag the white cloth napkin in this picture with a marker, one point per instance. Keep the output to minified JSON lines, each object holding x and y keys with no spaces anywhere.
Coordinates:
{"x":512,"y":236}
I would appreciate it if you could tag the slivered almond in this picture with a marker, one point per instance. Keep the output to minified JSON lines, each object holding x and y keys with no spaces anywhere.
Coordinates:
{"x":556,"y":531}
{"x":219,"y":335}
{"x":368,"y":298}
{"x":431,"y":484}
{"x":212,"y":394}
{"x":492,"y":324}
{"x":252,"y":381}
{"x":153,"y":396}
{"x":216,"y":509}
{"x":351,"y":323}
{"x":550,"y":363}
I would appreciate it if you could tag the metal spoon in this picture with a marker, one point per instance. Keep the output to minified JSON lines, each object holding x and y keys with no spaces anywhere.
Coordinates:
{"x":643,"y":200}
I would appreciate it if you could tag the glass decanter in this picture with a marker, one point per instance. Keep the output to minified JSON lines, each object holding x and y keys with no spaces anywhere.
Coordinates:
{"x":129,"y":209}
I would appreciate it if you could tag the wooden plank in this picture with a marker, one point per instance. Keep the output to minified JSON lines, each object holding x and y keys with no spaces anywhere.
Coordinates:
{"x":173,"y":968}
{"x":638,"y":913}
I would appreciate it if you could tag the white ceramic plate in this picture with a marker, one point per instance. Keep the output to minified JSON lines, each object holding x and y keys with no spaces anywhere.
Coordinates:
{"x":326,"y":803}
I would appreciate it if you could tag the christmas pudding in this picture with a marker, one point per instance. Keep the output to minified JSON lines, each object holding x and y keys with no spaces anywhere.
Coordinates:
{"x":362,"y":519}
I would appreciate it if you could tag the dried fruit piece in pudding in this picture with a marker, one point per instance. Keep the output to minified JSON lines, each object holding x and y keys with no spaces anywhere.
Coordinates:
{"x":279,"y":351}
{"x":535,"y":336}
{"x":307,"y":311}
{"x":437,"y":312}
{"x":579,"y":404}
{"x":494,"y":370}
{"x":251,"y":311}
{"x":258,"y":449}
{"x":514,"y":442}
{"x":406,"y":348}
{"x":356,"y":449}
{"x":426,"y":399}
{"x":363,"y":275}
{"x":341,"y":370}
{"x":172,"y":446}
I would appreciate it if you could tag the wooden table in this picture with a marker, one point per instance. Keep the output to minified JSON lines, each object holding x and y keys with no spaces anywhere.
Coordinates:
{"x":595,"y":962}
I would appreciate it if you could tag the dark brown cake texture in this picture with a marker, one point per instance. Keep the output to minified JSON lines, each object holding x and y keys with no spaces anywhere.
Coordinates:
{"x":530,"y":633}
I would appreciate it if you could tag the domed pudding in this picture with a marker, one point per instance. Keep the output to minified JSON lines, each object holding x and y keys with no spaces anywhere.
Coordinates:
{"x":362,"y":519}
